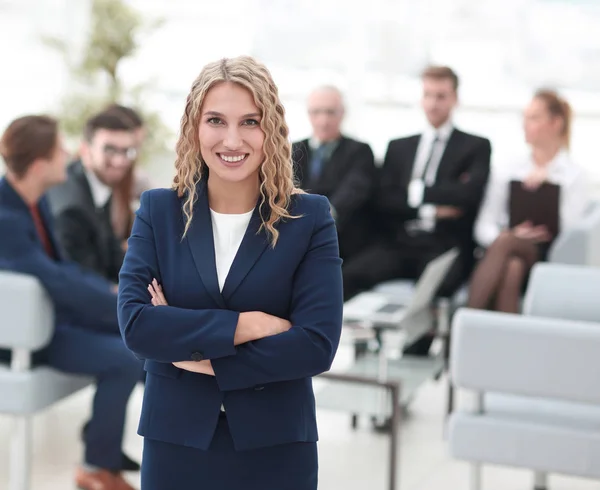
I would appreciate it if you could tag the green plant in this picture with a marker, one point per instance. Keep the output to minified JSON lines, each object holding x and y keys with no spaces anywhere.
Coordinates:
{"x":115,"y":33}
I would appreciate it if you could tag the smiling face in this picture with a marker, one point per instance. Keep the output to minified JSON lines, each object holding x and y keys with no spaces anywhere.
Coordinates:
{"x":231,"y":139}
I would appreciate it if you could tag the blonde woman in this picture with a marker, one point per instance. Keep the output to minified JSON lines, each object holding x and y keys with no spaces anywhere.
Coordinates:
{"x":251,"y":271}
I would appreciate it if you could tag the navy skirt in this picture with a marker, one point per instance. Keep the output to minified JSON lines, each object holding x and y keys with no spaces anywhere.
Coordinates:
{"x":168,"y":466}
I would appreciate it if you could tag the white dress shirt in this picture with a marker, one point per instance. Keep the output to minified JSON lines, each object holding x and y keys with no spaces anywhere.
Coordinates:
{"x":228,"y":233}
{"x":494,"y":213}
{"x":433,"y":142}
{"x":100,"y":192}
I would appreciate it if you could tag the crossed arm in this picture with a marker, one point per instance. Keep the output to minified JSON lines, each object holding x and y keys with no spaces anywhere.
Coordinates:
{"x":241,"y":355}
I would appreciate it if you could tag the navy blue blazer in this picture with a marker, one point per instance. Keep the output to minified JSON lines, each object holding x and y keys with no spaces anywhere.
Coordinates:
{"x":265,"y":385}
{"x":79,"y":297}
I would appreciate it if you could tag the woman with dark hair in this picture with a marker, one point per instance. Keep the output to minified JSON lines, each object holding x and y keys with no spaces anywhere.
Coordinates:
{"x":501,"y":275}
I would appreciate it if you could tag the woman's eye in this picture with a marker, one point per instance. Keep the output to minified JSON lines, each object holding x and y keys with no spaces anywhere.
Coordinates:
{"x":214,"y":120}
{"x":251,"y":122}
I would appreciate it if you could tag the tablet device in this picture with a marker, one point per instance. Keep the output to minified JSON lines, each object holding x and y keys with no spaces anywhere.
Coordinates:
{"x":539,"y":206}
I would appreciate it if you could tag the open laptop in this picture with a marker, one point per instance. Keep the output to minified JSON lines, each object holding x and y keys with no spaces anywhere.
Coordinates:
{"x":383,"y":308}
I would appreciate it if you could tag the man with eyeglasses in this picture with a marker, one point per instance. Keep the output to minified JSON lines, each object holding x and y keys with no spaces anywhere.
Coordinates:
{"x":93,"y":206}
{"x":338,"y":167}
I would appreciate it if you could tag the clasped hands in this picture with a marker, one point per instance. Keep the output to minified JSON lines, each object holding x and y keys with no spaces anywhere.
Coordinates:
{"x":252,"y":325}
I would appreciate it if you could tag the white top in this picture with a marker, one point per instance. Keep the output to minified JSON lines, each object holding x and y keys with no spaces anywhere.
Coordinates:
{"x":432,"y":142}
{"x":494,"y":213}
{"x":228,"y":233}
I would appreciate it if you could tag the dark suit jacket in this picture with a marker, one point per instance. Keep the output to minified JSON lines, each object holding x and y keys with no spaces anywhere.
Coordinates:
{"x":265,"y":385}
{"x":461,"y":181}
{"x":80,"y":298}
{"x":348,"y":181}
{"x":84,"y":231}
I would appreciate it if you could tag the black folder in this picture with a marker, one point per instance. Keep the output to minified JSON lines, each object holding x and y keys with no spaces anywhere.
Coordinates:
{"x":540,"y":206}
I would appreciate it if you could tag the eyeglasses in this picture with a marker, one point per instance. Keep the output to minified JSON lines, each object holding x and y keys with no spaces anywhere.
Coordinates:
{"x":111,"y":151}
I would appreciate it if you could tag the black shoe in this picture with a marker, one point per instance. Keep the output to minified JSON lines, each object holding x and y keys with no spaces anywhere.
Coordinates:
{"x":127,"y":464}
{"x":420,"y":348}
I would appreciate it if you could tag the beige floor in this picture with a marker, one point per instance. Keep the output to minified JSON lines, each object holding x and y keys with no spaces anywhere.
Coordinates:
{"x":349,"y":460}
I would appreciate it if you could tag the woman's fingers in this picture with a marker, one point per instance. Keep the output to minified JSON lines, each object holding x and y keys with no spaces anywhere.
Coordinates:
{"x":156,"y":293}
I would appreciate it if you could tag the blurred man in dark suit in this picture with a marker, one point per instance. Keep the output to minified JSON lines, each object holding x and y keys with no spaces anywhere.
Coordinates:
{"x":92,"y":208}
{"x":430,"y":189}
{"x":86,"y":338}
{"x":338,"y":167}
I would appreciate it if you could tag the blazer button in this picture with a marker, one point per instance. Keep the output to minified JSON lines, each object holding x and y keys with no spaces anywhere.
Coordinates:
{"x":197,"y":356}
{"x":259,"y":388}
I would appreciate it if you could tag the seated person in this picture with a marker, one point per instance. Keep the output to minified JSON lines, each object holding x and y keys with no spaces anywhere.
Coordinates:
{"x":500,"y":277}
{"x":338,"y":167}
{"x":430,"y":189}
{"x":86,"y":340}
{"x":92,"y":208}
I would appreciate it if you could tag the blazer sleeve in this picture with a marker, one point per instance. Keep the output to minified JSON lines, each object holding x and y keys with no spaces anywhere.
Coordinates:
{"x":308,"y":348}
{"x":165,"y":333}
{"x":493,"y":215}
{"x":392,"y":189}
{"x":356,"y":186}
{"x":88,"y":298}
{"x":467,"y":192}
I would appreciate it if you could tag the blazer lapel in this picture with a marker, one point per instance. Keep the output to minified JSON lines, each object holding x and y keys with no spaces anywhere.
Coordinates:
{"x":412,"y":145}
{"x":201,"y":243}
{"x":251,"y":248}
{"x":449,"y":156}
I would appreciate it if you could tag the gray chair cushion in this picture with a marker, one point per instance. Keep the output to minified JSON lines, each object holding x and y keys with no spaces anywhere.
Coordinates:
{"x":28,"y":392}
{"x":503,"y":438}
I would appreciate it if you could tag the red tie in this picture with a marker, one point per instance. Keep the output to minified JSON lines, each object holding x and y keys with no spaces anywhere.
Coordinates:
{"x":41,"y":230}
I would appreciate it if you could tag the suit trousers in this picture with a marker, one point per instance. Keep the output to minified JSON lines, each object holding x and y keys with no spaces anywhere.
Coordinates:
{"x":168,"y":466}
{"x":386,"y":261}
{"x":116,"y":370}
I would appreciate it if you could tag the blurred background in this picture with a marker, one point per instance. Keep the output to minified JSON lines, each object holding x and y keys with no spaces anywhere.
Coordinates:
{"x":502,"y":51}
{"x":69,"y":58}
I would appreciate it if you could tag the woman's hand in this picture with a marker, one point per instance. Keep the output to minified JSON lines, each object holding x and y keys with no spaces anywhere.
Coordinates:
{"x":535,"y":234}
{"x":156,"y":293}
{"x":202,"y":367}
{"x":255,"y":325}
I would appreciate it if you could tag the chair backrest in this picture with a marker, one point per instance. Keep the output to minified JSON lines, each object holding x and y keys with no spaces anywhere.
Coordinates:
{"x":579,"y":245}
{"x":26,"y":313}
{"x":563,"y":291}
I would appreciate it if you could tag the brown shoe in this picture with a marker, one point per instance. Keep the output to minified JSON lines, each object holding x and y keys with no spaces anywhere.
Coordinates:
{"x":96,"y":480}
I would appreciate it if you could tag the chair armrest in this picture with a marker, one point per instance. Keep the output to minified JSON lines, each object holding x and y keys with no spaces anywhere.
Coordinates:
{"x":563,"y":291}
{"x":27,"y":313}
{"x":521,"y":355}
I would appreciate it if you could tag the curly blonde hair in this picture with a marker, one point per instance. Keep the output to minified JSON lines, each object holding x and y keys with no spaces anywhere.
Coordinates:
{"x":276,"y":171}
